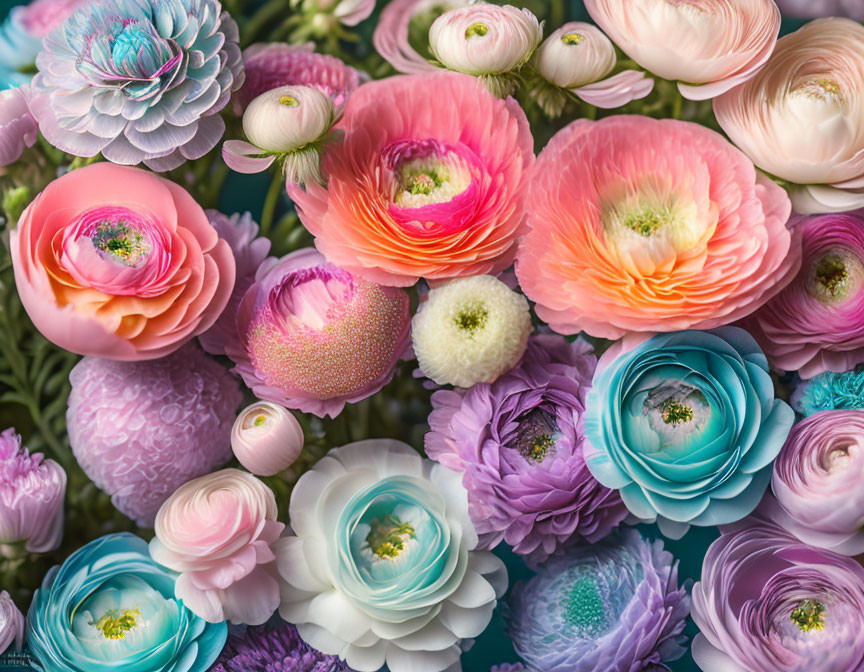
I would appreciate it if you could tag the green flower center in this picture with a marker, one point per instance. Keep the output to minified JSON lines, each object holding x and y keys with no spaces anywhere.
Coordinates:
{"x":260,"y":420}
{"x":831,"y":274}
{"x":424,"y":183}
{"x":537,"y":434}
{"x":289,"y":101}
{"x":571,"y":39}
{"x":471,"y":318}
{"x":478,"y":29}
{"x":809,"y":615}
{"x":585,"y":609}
{"x":114,"y":624}
{"x":675,"y":413}
{"x":121,"y":242}
{"x":646,"y":222}
{"x":388,"y":536}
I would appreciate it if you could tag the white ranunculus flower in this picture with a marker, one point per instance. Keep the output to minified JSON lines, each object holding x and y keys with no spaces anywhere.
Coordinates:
{"x":382,"y":567}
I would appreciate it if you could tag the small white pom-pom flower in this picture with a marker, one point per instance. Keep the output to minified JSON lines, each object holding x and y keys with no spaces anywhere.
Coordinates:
{"x":471,"y":330}
{"x":485,"y":40}
{"x":266,"y":438}
{"x":287,"y":118}
{"x":575,"y":55}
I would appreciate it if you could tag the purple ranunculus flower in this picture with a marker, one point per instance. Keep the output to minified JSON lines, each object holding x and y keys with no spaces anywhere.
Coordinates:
{"x":518,"y":442}
{"x":250,"y":250}
{"x":32,"y":490}
{"x":768,"y":603}
{"x":274,"y":648}
{"x":11,"y":624}
{"x":614,"y":606}
{"x":138,"y":80}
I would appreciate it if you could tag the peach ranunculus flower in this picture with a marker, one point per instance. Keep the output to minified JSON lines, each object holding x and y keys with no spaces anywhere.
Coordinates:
{"x":429,"y":182}
{"x":216,"y":532}
{"x":802,"y":117}
{"x":707,"y":46}
{"x":640,"y":225}
{"x":116,"y":262}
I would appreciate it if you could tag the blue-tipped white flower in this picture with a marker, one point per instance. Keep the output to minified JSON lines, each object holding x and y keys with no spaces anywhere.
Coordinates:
{"x":138,"y":80}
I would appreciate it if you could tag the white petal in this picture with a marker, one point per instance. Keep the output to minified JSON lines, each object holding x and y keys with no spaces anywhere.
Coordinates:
{"x":399,"y":660}
{"x":475,"y":591}
{"x":320,"y":639}
{"x":334,"y":611}
{"x":367,"y":659}
{"x":294,"y":567}
{"x":466,"y":622}
{"x":711,"y":659}
{"x":433,"y":637}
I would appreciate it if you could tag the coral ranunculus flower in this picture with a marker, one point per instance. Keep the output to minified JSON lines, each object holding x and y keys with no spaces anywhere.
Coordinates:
{"x":119,"y":263}
{"x":640,"y":225}
{"x":420,"y":188}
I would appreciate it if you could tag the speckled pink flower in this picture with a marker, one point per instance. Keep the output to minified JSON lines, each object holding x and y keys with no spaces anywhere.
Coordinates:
{"x":139,"y":430}
{"x":271,"y":65}
{"x":314,"y":336}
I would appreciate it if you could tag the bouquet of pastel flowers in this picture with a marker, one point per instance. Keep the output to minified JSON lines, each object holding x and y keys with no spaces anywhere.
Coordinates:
{"x":432,"y":335}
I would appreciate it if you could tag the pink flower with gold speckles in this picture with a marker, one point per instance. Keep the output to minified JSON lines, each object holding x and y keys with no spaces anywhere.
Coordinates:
{"x":313,"y":336}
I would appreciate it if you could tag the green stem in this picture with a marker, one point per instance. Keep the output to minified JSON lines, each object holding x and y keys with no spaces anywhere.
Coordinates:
{"x":272,"y":200}
{"x":677,"y":105}
{"x":264,"y":17}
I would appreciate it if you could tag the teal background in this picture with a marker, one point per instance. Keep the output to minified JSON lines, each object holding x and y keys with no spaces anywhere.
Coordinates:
{"x":243,"y":192}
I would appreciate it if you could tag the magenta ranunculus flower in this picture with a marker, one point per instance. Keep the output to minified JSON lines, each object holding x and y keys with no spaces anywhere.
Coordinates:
{"x":250,"y":250}
{"x":32,"y":490}
{"x":818,"y":482}
{"x":139,"y":430}
{"x":18,"y":128}
{"x":216,"y":531}
{"x":270,"y":65}
{"x":518,"y":443}
{"x":313,"y":336}
{"x":816,"y":323}
{"x":767,"y":602}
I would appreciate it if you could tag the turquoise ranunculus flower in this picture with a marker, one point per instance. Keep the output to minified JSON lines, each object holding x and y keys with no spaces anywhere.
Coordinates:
{"x":110,"y":607}
{"x":686,"y":426}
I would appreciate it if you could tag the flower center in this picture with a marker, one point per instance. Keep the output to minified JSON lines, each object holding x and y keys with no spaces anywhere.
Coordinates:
{"x":114,"y":623}
{"x":646,"y":222}
{"x":809,"y":615}
{"x":572,"y":39}
{"x":471,"y":317}
{"x":821,"y":88}
{"x":476,"y":29}
{"x":585,"y":609}
{"x":388,"y":535}
{"x":674,"y":413}
{"x":260,"y":420}
{"x":427,"y":181}
{"x":120,"y":242}
{"x":536,"y":435}
{"x":832,"y":276}
{"x":289,"y":101}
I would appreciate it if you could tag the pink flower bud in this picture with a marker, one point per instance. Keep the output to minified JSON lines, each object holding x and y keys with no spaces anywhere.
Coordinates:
{"x":575,"y":55}
{"x":266,"y":438}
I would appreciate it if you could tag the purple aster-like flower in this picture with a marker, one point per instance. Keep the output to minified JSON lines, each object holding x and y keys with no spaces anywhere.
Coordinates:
{"x":32,"y":490}
{"x":767,"y":602}
{"x":250,"y":249}
{"x":614,"y":606}
{"x":139,"y":430}
{"x":271,"y":65}
{"x":518,"y":442}
{"x":138,"y":80}
{"x":274,"y":648}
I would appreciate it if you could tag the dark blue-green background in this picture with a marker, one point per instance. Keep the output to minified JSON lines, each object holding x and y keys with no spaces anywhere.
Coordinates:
{"x":493,"y":647}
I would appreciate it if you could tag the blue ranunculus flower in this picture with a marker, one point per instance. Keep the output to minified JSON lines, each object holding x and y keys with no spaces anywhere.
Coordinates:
{"x":110,"y":607}
{"x":686,"y":426}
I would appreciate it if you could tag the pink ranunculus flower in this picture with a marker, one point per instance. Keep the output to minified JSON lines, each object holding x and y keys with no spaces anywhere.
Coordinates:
{"x":11,"y":623}
{"x":216,"y":532}
{"x":707,"y":46}
{"x":270,"y":65}
{"x":411,"y":193}
{"x":118,"y":263}
{"x":640,"y":225}
{"x":266,"y":438}
{"x":818,"y":482}
{"x":391,"y":33}
{"x":815,"y":324}
{"x":32,"y":490}
{"x":801,"y":118}
{"x":18,"y":128}
{"x":314,"y":337}
{"x":809,"y":9}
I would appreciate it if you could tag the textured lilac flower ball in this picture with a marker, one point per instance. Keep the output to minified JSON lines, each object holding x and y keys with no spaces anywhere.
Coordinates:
{"x":138,"y":80}
{"x":614,"y":606}
{"x":274,"y":648}
{"x":519,"y":442}
{"x":139,"y":430}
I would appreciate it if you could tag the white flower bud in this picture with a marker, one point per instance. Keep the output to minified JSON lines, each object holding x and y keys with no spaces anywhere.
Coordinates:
{"x":484,"y":39}
{"x":266,"y":438}
{"x":471,"y":330}
{"x":287,"y":118}
{"x":575,"y":55}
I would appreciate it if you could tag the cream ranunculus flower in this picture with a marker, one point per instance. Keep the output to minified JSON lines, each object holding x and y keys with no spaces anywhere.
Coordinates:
{"x":707,"y":46}
{"x":382,"y":567}
{"x":801,"y":118}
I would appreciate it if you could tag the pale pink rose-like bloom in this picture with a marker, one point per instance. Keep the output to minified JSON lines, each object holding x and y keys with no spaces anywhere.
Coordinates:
{"x":419,"y":188}
{"x":11,"y":623}
{"x":18,"y":128}
{"x":801,"y":117}
{"x":808,"y":9}
{"x":32,"y":490}
{"x":642,"y":225}
{"x":266,"y":438}
{"x":116,"y":262}
{"x":707,"y":46}
{"x":391,"y":33}
{"x":216,"y":532}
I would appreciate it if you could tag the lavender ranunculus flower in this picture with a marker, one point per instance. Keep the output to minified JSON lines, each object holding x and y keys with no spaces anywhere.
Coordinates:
{"x":18,"y":128}
{"x":829,"y":391}
{"x":810,"y":9}
{"x":518,"y":442}
{"x":818,"y":482}
{"x":32,"y":490}
{"x":508,"y":667}
{"x":767,"y":602}
{"x":138,"y":80}
{"x":614,"y":606}
{"x":11,"y":623}
{"x":275,"y":647}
